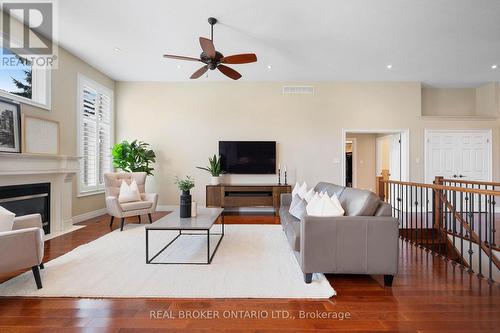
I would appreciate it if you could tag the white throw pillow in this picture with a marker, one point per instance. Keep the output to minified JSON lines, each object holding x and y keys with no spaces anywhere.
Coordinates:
{"x":129,"y":193}
{"x":296,"y":189}
{"x":309,"y":195}
{"x":323,"y":206}
{"x":295,"y":200}
{"x":299,"y":210}
{"x":6,"y":219}
{"x":302,"y":190}
{"x":313,"y":208}
{"x":336,"y":202}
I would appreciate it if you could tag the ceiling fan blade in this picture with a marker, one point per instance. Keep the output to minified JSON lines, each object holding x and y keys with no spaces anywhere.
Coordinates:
{"x":207,"y":46}
{"x":171,"y":56}
{"x":244,"y":58}
{"x":199,"y":72}
{"x":229,"y":72}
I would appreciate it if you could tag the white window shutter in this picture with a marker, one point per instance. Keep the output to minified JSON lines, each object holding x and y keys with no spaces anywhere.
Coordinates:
{"x":95,"y":112}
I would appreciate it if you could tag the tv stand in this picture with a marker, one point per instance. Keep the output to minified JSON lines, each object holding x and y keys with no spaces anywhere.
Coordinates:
{"x":246,"y":195}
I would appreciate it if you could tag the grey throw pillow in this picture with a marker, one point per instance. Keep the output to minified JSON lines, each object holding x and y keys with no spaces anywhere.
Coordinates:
{"x":299,"y":209}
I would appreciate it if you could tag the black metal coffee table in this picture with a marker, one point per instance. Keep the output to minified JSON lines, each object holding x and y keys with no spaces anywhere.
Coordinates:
{"x":191,"y":226}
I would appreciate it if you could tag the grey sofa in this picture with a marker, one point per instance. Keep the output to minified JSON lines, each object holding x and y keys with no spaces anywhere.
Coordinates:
{"x":364,"y":241}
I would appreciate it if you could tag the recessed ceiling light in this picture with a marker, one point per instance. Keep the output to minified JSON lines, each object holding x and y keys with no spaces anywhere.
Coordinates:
{"x":269,"y":66}
{"x":117,"y":49}
{"x":389,"y":66}
{"x":495,"y":66}
{"x":179,"y":66}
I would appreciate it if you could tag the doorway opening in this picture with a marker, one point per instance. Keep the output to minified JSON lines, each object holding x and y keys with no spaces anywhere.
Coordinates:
{"x":370,"y":153}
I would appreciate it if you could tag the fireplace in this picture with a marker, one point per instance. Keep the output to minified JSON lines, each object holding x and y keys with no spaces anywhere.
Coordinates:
{"x":28,"y":199}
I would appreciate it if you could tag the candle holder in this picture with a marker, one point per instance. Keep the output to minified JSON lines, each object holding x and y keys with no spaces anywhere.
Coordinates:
{"x":279,"y":176}
{"x":285,"y":179}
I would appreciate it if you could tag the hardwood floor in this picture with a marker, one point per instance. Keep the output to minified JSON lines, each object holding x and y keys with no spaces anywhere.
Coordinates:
{"x":428,"y":295}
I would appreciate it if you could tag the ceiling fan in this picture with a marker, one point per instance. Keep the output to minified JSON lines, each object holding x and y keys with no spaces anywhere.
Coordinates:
{"x":214,"y":59}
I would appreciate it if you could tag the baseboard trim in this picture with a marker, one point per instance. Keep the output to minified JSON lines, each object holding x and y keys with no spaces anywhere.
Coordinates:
{"x":88,"y":215}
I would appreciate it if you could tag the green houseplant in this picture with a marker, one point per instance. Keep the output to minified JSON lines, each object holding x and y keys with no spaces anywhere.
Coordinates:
{"x":185,"y":185}
{"x":214,"y":168}
{"x":133,"y":157}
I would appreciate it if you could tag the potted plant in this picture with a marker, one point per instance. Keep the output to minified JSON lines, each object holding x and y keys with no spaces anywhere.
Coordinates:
{"x":214,"y":168}
{"x":133,"y":157}
{"x":185,"y":185}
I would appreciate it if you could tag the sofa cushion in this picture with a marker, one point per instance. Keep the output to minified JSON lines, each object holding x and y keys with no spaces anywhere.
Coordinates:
{"x":329,"y":188}
{"x":6,"y":219}
{"x":358,"y":202}
{"x":136,"y":205}
{"x":292,"y":232}
{"x":384,"y":209}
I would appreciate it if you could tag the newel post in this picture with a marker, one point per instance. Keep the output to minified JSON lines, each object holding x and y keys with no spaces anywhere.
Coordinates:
{"x":437,"y":211}
{"x":382,"y":188}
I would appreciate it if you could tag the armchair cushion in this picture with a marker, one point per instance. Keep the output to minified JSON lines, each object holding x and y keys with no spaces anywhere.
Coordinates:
{"x":135,"y":205}
{"x":6,"y":219}
{"x":27,"y":221}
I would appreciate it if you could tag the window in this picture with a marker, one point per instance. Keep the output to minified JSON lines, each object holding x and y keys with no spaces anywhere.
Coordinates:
{"x":95,"y":133}
{"x":24,"y":82}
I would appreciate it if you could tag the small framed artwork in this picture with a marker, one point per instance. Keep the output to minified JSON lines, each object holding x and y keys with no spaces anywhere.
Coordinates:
{"x":40,"y":136}
{"x":10,"y":127}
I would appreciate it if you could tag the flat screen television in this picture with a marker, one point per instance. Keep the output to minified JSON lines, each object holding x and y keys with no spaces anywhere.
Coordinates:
{"x":248,"y":157}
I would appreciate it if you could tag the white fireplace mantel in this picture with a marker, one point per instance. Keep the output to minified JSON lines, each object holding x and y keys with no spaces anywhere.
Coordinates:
{"x":22,"y":164}
{"x":58,"y":170}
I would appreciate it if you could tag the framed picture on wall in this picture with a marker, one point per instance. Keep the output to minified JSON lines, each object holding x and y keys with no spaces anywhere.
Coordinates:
{"x":10,"y":127}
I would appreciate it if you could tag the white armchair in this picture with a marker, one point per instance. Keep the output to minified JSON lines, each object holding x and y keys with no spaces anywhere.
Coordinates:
{"x":147,"y":205}
{"x":22,"y":247}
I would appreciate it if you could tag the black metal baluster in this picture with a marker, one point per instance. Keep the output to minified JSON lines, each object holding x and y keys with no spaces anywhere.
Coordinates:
{"x":480,"y":274}
{"x":411,"y":216}
{"x":490,"y":259}
{"x":406,"y":212}
{"x":471,"y":252}
{"x":427,"y":219}
{"x":462,"y":230}
{"x":421,"y":216}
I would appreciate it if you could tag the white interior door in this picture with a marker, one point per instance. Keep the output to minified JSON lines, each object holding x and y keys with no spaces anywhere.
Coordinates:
{"x":458,"y":155}
{"x":395,"y":158}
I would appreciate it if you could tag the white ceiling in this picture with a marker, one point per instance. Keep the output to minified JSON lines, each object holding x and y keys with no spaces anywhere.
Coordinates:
{"x":438,"y":42}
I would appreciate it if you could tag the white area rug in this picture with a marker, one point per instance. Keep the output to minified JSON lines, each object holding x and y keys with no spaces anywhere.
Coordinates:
{"x":253,"y":261}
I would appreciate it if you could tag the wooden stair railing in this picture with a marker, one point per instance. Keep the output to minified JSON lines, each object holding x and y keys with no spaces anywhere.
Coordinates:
{"x":454,"y":222}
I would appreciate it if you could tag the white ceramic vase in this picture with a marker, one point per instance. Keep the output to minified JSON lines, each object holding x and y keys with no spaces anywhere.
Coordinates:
{"x":215,"y":180}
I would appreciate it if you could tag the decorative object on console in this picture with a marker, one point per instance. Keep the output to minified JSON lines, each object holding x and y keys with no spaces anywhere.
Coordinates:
{"x":286,"y":181}
{"x":214,"y":168}
{"x":40,"y":136}
{"x":185,"y":185}
{"x":279,"y":174}
{"x":133,"y":157}
{"x":10,"y":127}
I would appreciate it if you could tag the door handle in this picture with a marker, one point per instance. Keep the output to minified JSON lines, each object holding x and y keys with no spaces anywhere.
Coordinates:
{"x":461,"y":176}
{"x":454,"y":176}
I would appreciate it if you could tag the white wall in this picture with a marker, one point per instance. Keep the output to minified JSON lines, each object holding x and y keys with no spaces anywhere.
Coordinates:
{"x":184,"y":122}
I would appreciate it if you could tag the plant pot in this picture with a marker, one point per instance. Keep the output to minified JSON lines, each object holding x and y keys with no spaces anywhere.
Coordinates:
{"x":215,"y":180}
{"x":185,"y":204}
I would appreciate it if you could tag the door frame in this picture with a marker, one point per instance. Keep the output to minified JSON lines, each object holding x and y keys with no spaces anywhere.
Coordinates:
{"x":405,"y":148}
{"x":487,"y":131}
{"x":378,"y":157}
{"x":354,"y":158}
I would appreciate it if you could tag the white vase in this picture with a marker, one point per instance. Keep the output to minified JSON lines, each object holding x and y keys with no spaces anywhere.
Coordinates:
{"x":215,"y":180}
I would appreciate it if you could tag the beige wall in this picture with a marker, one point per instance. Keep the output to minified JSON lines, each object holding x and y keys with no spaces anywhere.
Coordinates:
{"x":184,"y":122}
{"x":480,"y":101}
{"x":364,"y":160}
{"x":64,"y":99}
